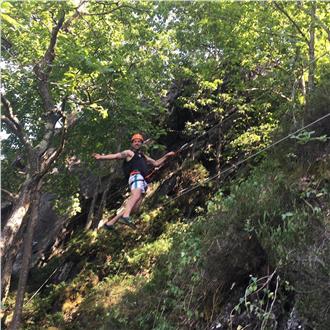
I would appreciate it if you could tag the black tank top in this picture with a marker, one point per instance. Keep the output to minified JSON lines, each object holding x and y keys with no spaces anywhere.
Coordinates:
{"x":137,"y":163}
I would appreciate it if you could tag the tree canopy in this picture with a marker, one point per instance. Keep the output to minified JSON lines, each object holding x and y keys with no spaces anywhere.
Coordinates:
{"x":82,"y":76}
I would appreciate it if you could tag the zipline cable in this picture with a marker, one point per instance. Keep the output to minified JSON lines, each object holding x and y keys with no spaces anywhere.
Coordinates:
{"x":190,"y":143}
{"x":185,"y":191}
{"x":43,"y":284}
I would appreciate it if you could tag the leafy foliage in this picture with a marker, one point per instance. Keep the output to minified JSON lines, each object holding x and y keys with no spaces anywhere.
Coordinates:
{"x":132,"y":66}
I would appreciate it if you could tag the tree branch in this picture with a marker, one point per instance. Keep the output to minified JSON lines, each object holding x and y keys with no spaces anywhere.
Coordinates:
{"x":115,"y":9}
{"x":13,"y":123}
{"x":281,"y":9}
{"x":54,"y":155}
{"x":74,"y":16}
{"x":320,"y":23}
{"x":42,"y":71}
{"x":9,"y":196}
{"x":7,"y":109}
{"x":53,"y":118}
{"x":43,"y":68}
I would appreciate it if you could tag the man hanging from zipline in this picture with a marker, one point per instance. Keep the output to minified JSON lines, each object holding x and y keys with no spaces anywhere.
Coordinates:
{"x":135,"y":169}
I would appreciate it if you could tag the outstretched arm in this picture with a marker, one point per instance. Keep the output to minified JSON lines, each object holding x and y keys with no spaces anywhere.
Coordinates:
{"x":119,"y":155}
{"x":160,"y":161}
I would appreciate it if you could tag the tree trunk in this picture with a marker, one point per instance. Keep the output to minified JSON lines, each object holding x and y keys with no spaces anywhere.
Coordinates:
{"x":91,"y":212}
{"x":38,"y":165}
{"x":14,"y":222}
{"x":99,"y":213}
{"x":25,"y":266}
{"x":10,"y":237}
{"x":218,"y":152}
{"x":8,"y":266}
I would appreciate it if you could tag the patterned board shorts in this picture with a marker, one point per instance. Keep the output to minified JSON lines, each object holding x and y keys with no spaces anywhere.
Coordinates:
{"x":136,"y":181}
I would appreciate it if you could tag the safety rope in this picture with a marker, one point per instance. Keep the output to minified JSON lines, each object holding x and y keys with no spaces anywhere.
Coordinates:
{"x":187,"y":190}
{"x":190,"y":143}
{"x":43,"y":284}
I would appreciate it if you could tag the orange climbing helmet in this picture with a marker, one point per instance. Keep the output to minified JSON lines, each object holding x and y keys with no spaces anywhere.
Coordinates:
{"x":137,"y":137}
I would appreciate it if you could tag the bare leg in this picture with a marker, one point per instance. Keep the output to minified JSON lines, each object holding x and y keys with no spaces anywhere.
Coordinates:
{"x":137,"y":205}
{"x":129,"y":202}
{"x":135,"y":197}
{"x":115,"y":218}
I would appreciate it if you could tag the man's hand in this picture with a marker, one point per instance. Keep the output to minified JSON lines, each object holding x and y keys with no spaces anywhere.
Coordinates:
{"x":170,"y":154}
{"x":97,"y":156}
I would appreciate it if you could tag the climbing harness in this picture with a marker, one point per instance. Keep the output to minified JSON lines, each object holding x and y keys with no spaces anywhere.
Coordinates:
{"x":137,"y":181}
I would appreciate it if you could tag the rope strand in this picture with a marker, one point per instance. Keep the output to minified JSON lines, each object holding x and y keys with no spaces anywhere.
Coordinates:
{"x":185,"y":191}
